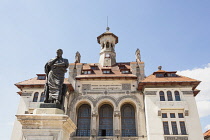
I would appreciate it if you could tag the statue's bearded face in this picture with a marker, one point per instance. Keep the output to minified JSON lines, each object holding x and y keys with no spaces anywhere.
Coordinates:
{"x":59,"y":53}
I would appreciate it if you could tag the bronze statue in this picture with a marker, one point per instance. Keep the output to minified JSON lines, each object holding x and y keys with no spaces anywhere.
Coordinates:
{"x":55,"y":70}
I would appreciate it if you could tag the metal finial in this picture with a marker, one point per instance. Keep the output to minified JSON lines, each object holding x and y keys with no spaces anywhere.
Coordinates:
{"x":107,"y":28}
{"x":159,"y":67}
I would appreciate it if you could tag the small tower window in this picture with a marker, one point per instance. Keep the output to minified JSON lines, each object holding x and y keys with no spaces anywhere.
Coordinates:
{"x":107,"y":55}
{"x":162,"y":96}
{"x":107,"y":45}
{"x":36,"y":95}
{"x":177,"y":96}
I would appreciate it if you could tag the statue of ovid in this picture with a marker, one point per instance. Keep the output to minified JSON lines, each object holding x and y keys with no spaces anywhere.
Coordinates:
{"x":55,"y":70}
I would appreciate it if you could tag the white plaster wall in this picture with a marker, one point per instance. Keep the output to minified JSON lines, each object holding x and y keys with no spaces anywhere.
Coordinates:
{"x":154,"y":122}
{"x":192,"y":121}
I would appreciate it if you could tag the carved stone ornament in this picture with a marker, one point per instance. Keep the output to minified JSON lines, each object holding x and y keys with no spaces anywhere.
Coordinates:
{"x":117,"y":113}
{"x":186,"y":112}
{"x":93,"y":132}
{"x":117,"y":132}
{"x":159,"y":112}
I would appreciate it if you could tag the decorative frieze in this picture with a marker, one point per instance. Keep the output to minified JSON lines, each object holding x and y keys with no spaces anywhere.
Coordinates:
{"x":26,"y":94}
{"x":187,"y":92}
{"x":126,"y":86}
{"x":150,"y":92}
{"x":86,"y":86}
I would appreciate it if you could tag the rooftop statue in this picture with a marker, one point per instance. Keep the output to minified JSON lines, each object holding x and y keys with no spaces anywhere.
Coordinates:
{"x":55,"y":70}
{"x":77,"y":57}
{"x":138,"y":56}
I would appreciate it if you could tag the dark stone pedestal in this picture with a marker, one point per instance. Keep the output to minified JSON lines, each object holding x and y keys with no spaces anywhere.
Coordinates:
{"x":50,"y":105}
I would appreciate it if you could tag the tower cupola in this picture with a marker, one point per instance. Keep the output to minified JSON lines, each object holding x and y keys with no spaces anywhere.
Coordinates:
{"x":107,"y":42}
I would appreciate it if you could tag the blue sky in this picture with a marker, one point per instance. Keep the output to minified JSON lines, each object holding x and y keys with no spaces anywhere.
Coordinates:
{"x":171,"y":33}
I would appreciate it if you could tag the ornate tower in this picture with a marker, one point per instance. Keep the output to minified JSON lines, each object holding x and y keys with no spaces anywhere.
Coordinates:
{"x":107,"y":41}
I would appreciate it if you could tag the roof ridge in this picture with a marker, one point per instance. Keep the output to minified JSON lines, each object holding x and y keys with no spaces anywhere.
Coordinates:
{"x":25,"y":80}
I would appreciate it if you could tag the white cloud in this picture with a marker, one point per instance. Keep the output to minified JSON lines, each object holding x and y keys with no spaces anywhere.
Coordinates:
{"x":203,"y":98}
{"x":207,"y":127}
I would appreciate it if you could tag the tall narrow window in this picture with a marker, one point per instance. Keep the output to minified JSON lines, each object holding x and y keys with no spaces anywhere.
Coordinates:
{"x":169,"y":95}
{"x":36,"y":95}
{"x":83,"y":120}
{"x":177,"y":96}
{"x":165,"y":128}
{"x":162,"y":97}
{"x":42,"y":98}
{"x":174,"y":128}
{"x":128,"y":121}
{"x":106,"y":120}
{"x":107,"y":45}
{"x":183,"y":128}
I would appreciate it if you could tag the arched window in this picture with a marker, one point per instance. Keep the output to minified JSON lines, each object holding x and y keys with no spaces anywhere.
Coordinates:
{"x":128,"y":121}
{"x":42,"y":98}
{"x":107,"y":45}
{"x":169,"y":95}
{"x":162,"y":96}
{"x":106,"y":120}
{"x":83,"y":120}
{"x":36,"y":95}
{"x":177,"y":96}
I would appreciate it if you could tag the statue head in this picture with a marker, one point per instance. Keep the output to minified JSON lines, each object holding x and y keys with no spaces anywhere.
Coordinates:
{"x":59,"y":52}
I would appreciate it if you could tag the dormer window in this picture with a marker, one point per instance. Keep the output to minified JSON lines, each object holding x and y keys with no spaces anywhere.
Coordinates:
{"x":41,"y":76}
{"x":125,"y":71}
{"x":159,"y":75}
{"x":122,"y":67}
{"x":171,"y":75}
{"x":106,"y":71}
{"x":94,"y":67}
{"x":107,"y":55}
{"x":87,"y":72}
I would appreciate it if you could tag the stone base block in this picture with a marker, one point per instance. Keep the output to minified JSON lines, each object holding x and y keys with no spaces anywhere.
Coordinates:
{"x":48,"y":111}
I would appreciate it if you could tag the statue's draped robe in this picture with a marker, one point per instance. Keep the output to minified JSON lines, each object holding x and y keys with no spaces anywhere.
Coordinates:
{"x":56,"y":77}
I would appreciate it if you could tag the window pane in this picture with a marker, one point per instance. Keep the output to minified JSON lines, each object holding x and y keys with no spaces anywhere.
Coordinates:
{"x":174,"y":128}
{"x":42,"y":98}
{"x":180,"y":115}
{"x":172,"y":115}
{"x":164,"y":115}
{"x":165,"y":128}
{"x":83,"y":120}
{"x":162,"y":97}
{"x":36,"y":95}
{"x":169,"y":95}
{"x":177,"y":96}
{"x":106,"y":120}
{"x":128,"y":121}
{"x":183,"y":129}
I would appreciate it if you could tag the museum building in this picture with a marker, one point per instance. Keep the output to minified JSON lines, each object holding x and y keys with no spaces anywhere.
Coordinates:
{"x":113,"y":100}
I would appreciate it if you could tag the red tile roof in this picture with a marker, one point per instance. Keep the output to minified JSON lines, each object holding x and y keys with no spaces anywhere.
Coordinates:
{"x":207,"y":134}
{"x":98,"y":73}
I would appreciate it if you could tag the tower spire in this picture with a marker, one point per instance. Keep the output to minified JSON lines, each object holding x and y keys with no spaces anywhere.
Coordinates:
{"x":107,"y":28}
